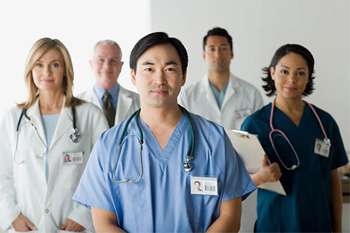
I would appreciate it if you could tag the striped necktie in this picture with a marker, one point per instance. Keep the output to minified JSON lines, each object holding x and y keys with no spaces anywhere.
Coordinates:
{"x":108,"y":108}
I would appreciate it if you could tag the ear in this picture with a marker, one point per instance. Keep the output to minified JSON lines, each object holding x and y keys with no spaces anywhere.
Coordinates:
{"x":272,"y":72}
{"x":203,"y":55}
{"x":133,"y":76}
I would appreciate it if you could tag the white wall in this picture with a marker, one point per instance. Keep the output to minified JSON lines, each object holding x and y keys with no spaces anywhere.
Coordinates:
{"x":78,"y":24}
{"x":258,"y":28}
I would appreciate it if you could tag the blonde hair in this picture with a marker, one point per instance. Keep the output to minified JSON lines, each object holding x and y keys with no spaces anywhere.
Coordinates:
{"x":39,"y":48}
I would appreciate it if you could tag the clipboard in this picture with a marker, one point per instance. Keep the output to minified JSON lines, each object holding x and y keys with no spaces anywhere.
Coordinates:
{"x":250,"y":150}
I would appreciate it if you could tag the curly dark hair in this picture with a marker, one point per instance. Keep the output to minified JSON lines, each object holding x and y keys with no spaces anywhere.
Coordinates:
{"x":269,"y":85}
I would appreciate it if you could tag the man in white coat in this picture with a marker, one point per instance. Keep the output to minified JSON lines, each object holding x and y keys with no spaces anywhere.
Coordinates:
{"x":116,"y":102}
{"x":224,"y":98}
{"x":221,"y":96}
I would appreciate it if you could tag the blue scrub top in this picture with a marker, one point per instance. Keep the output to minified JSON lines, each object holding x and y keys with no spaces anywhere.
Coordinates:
{"x":307,"y":206}
{"x":161,"y":201}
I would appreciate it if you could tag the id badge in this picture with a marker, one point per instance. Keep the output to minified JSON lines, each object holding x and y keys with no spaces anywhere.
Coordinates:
{"x":322,"y":147}
{"x":73,"y":158}
{"x":204,"y":185}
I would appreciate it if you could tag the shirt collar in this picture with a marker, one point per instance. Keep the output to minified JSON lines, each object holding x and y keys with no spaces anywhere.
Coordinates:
{"x":113,"y":92}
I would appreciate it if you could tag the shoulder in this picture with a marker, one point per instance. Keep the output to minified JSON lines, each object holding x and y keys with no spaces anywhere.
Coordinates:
{"x":244,"y":84}
{"x":85,"y":94}
{"x":10,"y":118}
{"x":90,"y":113}
{"x":126,"y":92}
{"x":88,"y":107}
{"x":193,"y":88}
{"x":326,"y":118}
{"x":207,"y":129}
{"x":257,"y":120}
{"x":12,"y":113}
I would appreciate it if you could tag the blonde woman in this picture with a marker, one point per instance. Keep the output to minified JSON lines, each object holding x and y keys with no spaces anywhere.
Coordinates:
{"x":45,"y":144}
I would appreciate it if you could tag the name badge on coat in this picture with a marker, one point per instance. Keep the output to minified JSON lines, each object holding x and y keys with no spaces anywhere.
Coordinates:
{"x":70,"y":158}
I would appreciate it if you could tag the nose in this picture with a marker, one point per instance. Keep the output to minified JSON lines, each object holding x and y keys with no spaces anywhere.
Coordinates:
{"x":47,"y":70}
{"x":106,"y":65}
{"x":160,"y":77}
{"x":293,"y":77}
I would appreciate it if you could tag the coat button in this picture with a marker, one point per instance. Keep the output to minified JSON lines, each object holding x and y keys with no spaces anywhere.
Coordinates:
{"x":47,"y":211}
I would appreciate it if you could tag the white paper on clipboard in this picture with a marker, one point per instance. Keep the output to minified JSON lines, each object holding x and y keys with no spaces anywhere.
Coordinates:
{"x":250,"y":150}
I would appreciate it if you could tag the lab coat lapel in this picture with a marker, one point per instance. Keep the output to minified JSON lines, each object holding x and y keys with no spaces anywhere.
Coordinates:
{"x":209,"y":95}
{"x":94,"y":98}
{"x":232,"y":85}
{"x":35,"y":116}
{"x":64,"y":124}
{"x":123,"y":105}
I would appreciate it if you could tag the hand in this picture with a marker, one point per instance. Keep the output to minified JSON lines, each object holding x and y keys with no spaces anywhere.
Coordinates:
{"x":23,"y":224}
{"x":267,"y":172}
{"x":71,"y":225}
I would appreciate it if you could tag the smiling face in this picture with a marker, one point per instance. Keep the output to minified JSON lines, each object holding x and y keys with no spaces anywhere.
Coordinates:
{"x":158,"y":76}
{"x":48,"y":71}
{"x":291,"y":75}
{"x":106,"y":65}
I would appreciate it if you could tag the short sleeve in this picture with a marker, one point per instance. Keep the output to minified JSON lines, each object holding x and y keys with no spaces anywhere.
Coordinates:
{"x":237,"y":180}
{"x":338,"y":150}
{"x":94,"y":190}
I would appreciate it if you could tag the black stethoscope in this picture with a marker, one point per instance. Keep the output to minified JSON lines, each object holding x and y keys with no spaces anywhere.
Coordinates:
{"x":74,"y":136}
{"x":187,"y":165}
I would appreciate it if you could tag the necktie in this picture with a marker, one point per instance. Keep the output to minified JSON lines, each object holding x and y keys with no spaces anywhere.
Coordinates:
{"x":108,"y":108}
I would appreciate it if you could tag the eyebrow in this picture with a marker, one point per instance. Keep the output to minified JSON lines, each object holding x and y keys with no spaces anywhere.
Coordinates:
{"x":299,"y":68}
{"x":54,"y":60}
{"x":152,"y":63}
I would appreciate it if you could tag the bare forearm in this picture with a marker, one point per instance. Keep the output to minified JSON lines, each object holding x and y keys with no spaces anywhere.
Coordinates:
{"x":336,"y":201}
{"x":224,"y":225}
{"x":105,"y":221}
{"x":110,"y":228}
{"x":230,"y":217}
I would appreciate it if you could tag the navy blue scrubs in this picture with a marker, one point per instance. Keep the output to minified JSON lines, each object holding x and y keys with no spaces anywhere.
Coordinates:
{"x":307,"y":206}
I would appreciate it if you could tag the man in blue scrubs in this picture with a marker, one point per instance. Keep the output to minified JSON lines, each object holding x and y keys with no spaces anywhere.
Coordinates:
{"x":143,"y":174}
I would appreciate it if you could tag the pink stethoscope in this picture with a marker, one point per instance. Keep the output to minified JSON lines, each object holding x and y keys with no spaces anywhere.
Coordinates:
{"x":281,"y":133}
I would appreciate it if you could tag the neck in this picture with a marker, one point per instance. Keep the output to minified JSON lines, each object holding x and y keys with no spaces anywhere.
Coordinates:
{"x":293,"y":108}
{"x":50,"y":102}
{"x":157,"y":118}
{"x":219,"y":79}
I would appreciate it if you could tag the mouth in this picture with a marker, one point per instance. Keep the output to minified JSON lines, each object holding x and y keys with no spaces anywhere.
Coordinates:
{"x":159,"y":92}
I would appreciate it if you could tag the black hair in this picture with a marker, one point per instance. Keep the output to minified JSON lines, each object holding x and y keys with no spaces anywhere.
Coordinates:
{"x":269,"y":85}
{"x":158,"y":38}
{"x":217,"y":31}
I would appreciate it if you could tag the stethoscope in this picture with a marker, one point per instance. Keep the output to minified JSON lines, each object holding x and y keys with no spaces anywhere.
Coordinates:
{"x":74,"y":136}
{"x":284,"y":136}
{"x":187,"y":164}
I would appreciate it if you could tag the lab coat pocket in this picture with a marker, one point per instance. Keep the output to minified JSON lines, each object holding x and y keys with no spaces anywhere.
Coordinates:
{"x":243,"y":113}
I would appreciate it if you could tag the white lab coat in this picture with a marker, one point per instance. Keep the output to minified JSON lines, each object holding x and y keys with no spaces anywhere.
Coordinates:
{"x":24,"y":188}
{"x":128,"y":102}
{"x":241,"y":99}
